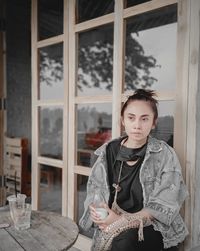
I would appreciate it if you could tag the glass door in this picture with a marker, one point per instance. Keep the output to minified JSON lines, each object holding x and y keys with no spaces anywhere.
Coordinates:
{"x":115,"y":50}
{"x":87,"y":57}
{"x":48,"y":106}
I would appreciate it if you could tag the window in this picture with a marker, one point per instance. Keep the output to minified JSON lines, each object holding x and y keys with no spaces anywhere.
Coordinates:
{"x":90,"y":56}
{"x":50,"y":18}
{"x":89,"y":9}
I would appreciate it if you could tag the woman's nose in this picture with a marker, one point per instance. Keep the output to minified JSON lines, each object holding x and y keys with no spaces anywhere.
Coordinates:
{"x":137,"y":124}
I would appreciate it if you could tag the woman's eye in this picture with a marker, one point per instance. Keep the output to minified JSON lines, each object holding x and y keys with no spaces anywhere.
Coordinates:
{"x":145,"y":119}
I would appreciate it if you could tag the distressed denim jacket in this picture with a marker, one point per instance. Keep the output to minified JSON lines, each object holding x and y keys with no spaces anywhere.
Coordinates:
{"x":163,"y":189}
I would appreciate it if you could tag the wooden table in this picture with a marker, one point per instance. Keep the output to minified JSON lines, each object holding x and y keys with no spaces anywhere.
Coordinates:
{"x":48,"y":231}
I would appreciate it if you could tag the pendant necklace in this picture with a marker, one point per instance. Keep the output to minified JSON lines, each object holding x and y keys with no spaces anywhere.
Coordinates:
{"x":117,"y":186}
{"x":124,"y":156}
{"x":119,"y":180}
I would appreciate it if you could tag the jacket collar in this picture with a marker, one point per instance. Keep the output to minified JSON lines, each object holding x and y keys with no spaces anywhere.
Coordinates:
{"x":153,"y":145}
{"x":102,"y":148}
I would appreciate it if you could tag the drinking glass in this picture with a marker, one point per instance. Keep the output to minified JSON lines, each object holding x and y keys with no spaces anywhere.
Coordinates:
{"x":98,"y":203}
{"x":20,"y":211}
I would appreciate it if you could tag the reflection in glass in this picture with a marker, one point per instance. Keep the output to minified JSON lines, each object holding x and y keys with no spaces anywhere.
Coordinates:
{"x":129,"y":3}
{"x":89,"y":9}
{"x":50,"y":18}
{"x":81,"y":190}
{"x":165,"y":125}
{"x":95,"y":61}
{"x":51,"y":72}
{"x":150,"y":56}
{"x":50,"y":188}
{"x":94,"y":124}
{"x":51,"y":132}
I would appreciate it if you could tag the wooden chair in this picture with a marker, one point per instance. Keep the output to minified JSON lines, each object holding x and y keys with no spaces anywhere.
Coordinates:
{"x":16,"y":166}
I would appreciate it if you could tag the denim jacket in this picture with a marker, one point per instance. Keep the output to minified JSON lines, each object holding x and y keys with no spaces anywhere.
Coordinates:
{"x":163,"y":187}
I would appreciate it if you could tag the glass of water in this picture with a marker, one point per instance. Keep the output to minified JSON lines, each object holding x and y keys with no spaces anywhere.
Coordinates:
{"x":20,"y":211}
{"x":22,"y":217}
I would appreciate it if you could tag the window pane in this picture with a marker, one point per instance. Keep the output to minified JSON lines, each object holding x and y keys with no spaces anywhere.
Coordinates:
{"x":51,"y":72}
{"x":94,"y":123}
{"x":50,"y":18}
{"x":150,"y":57}
{"x":129,"y":3}
{"x":95,"y":61}
{"x":165,"y":125}
{"x":50,"y":188}
{"x":51,"y":132}
{"x":89,"y":9}
{"x":81,"y":189}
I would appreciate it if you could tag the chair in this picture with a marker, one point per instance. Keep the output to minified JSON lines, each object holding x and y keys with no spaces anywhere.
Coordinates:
{"x":16,"y":166}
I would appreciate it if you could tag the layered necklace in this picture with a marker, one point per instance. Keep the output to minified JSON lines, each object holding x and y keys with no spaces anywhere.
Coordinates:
{"x":127,"y":154}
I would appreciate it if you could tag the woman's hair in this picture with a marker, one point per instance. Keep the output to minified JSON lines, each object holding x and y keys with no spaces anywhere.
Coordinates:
{"x":145,"y":95}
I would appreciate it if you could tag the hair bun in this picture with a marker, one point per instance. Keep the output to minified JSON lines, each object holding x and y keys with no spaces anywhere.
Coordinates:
{"x":145,"y":93}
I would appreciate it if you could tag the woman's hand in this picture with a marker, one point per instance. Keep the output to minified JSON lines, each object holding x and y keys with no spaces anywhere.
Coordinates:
{"x":103,"y":224}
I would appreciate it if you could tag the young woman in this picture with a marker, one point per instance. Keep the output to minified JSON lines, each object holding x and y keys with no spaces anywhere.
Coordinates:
{"x":140,"y":178}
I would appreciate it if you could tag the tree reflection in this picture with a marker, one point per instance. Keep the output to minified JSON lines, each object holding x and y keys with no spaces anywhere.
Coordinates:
{"x":96,"y":64}
{"x":51,"y":66}
{"x":138,"y":66}
{"x":95,"y":61}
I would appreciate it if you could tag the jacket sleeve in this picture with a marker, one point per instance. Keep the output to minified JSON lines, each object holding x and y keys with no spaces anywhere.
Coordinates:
{"x":97,"y":180}
{"x":169,"y":192}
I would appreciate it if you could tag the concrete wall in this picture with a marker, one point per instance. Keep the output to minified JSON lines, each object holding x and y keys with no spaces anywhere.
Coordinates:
{"x":2,"y":10}
{"x":18,"y":42}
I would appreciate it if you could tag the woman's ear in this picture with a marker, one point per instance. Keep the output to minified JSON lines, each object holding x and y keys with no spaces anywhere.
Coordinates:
{"x":122,"y":120}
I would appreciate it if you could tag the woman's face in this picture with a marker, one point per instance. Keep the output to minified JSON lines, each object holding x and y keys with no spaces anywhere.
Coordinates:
{"x":138,"y":120}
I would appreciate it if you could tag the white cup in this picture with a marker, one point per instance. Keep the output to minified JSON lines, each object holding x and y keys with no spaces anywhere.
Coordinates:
{"x":102,"y":212}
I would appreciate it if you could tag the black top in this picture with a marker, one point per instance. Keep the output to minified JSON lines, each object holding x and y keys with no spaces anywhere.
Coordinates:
{"x":130,"y":197}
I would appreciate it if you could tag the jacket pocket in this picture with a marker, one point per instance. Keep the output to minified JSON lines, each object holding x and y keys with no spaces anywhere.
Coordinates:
{"x":149,"y":184}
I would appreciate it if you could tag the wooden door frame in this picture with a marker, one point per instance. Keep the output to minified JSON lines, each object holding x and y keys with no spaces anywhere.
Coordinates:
{"x":188,"y":65}
{"x":37,"y":160}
